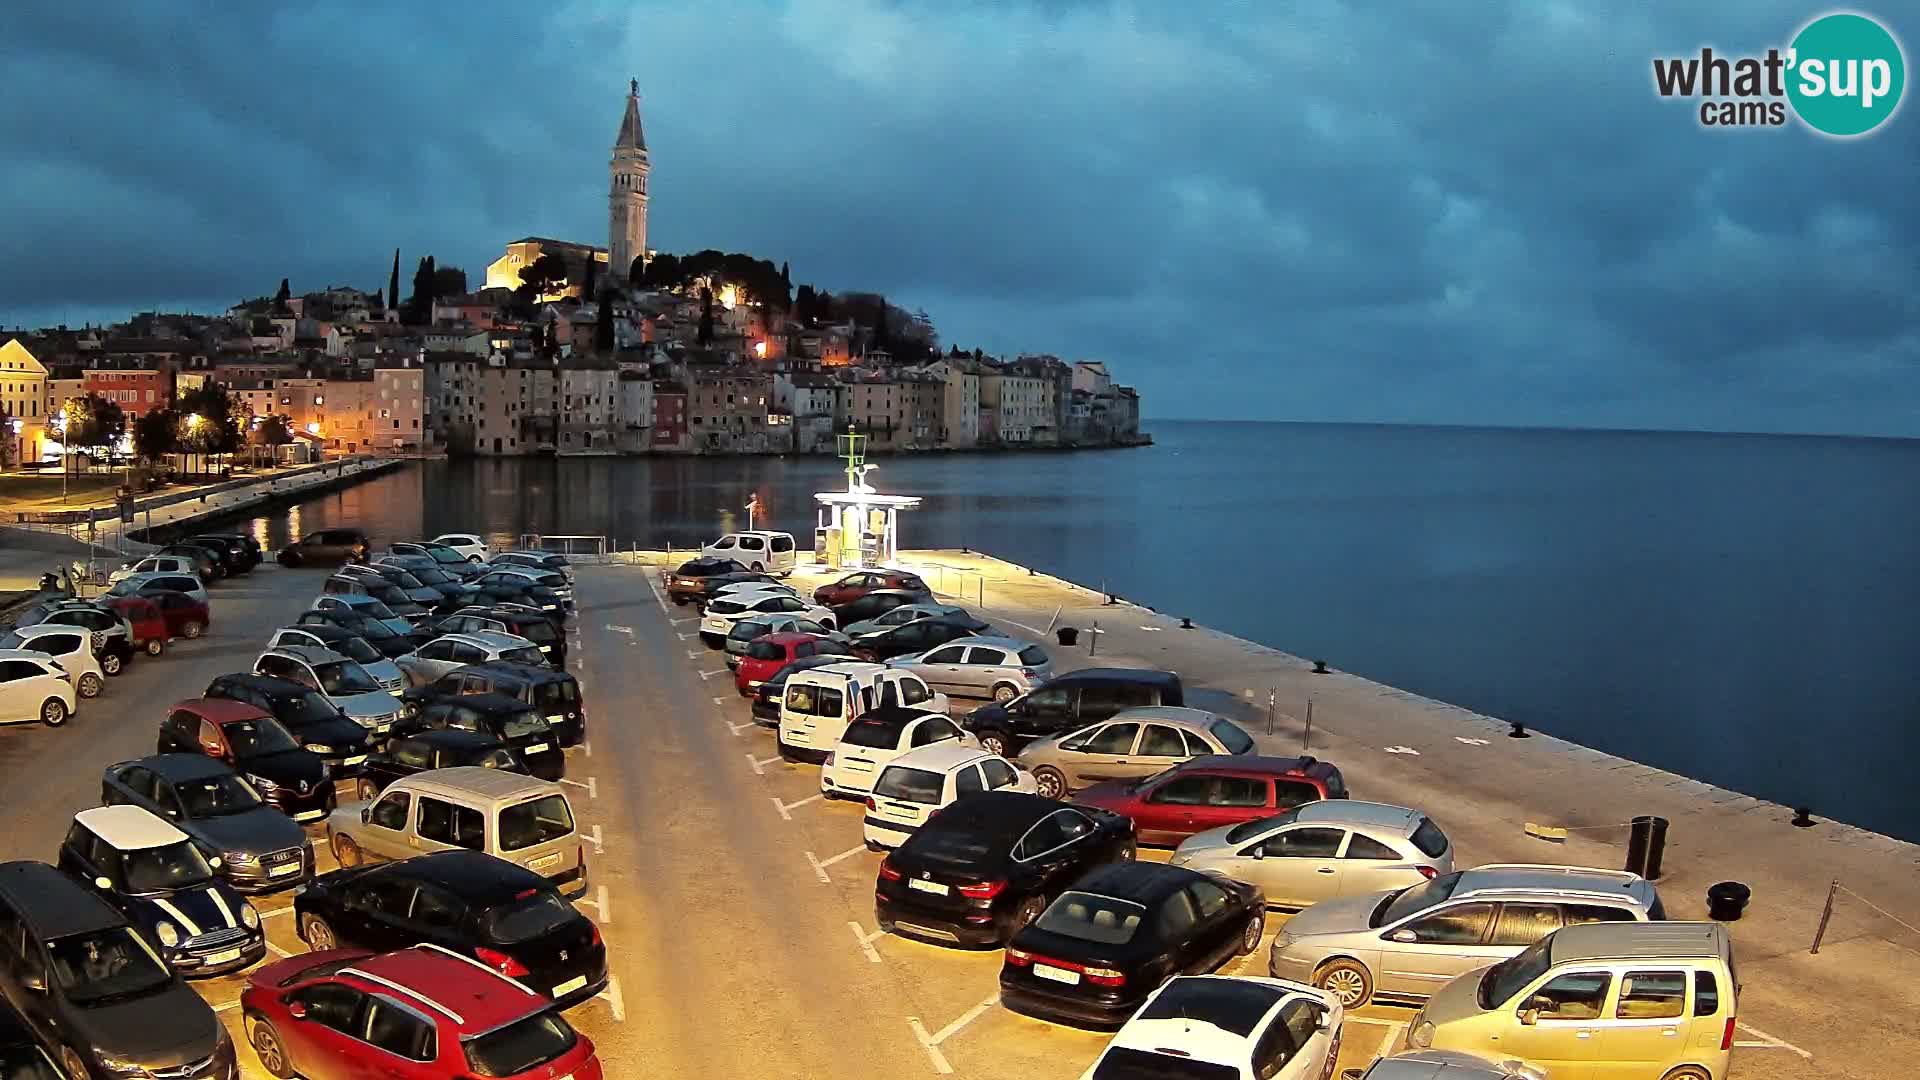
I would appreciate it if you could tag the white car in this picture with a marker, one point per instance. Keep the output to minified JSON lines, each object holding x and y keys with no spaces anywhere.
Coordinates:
{"x":534,"y":560}
{"x":70,"y":647}
{"x":135,"y":584}
{"x":449,"y":651}
{"x":154,"y":564}
{"x":467,"y":544}
{"x":876,"y":739}
{"x":1446,"y":1065}
{"x":919,"y":782}
{"x":742,"y":588}
{"x":33,"y":687}
{"x":819,"y":703}
{"x":1217,"y":1026}
{"x":720,"y":615}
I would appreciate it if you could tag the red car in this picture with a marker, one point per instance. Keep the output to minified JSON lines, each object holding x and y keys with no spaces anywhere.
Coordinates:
{"x":185,"y":617}
{"x":1207,"y":792}
{"x":861,"y":582}
{"x":417,"y":1014}
{"x":769,"y":653}
{"x":150,"y":631}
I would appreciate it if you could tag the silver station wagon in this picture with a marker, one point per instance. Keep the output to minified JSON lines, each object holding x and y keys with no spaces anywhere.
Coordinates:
{"x":1323,"y":850}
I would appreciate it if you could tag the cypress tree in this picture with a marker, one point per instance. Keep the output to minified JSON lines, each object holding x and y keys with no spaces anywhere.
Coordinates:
{"x":393,"y":281}
{"x":432,"y":291}
{"x":603,"y":327}
{"x":593,"y":271}
{"x":706,"y":316}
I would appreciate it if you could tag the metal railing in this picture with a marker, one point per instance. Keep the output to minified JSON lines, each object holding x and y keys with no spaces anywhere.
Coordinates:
{"x":576,"y":547}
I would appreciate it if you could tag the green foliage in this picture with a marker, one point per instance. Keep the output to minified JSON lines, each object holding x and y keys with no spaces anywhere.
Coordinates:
{"x":762,"y":280}
{"x":280,"y":299}
{"x":592,"y":283}
{"x":93,"y":422}
{"x":211,"y":420}
{"x":274,"y":429}
{"x":603,"y":327}
{"x":393,"y":281}
{"x":706,"y":316}
{"x":449,"y":281}
{"x":156,"y":434}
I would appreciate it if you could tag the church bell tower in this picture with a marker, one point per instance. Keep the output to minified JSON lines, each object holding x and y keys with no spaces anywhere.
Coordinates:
{"x":627,"y":196}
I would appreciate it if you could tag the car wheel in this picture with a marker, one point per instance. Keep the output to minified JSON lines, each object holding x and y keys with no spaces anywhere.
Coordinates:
{"x":112,"y":664}
{"x":364,"y":790}
{"x":155,"y":646}
{"x":1689,"y":1072}
{"x":266,"y":1043}
{"x":345,"y":850}
{"x":53,"y":713}
{"x":1029,"y":910}
{"x":994,"y":743}
{"x":90,"y":685}
{"x":192,"y":630}
{"x":1250,"y":937}
{"x":289,"y":558}
{"x":1004,"y":693}
{"x":1346,"y":981}
{"x":1048,"y":781}
{"x":473,"y":559}
{"x":317,"y":934}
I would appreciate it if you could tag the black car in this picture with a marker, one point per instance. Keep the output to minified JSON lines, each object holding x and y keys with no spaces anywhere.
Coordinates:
{"x":983,"y":867}
{"x":112,"y":636}
{"x":499,"y":913}
{"x":317,"y":722}
{"x":555,"y":694}
{"x":291,"y":778}
{"x":244,"y":551}
{"x":908,"y":639}
{"x":260,"y":848}
{"x":531,"y":625}
{"x":696,"y":579}
{"x":222,"y":552}
{"x":509,"y":721}
{"x":428,"y":573}
{"x":1069,"y":702}
{"x":766,"y":698}
{"x":207,"y":564}
{"x":160,"y":880}
{"x":393,"y":596}
{"x":1099,"y":949}
{"x":435,"y":749}
{"x":85,"y":983}
{"x":447,"y":558}
{"x":21,"y":1055}
{"x":873,"y":604}
{"x":516,"y":590}
{"x":377,"y":634}
{"x":328,"y":547}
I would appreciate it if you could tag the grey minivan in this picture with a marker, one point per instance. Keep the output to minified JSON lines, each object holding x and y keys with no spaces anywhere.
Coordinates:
{"x":1000,"y":668}
{"x":1321,"y":850}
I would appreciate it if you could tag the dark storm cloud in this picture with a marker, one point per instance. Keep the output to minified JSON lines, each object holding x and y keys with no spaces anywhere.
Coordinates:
{"x":1443,"y":213}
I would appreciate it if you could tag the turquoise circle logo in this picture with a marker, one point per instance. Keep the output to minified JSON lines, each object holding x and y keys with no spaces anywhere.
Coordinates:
{"x":1847,"y":74}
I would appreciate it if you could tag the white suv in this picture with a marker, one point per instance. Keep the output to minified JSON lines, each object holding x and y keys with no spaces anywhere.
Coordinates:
{"x":919,"y":782}
{"x":33,"y":687}
{"x":876,"y":740}
{"x":71,"y":647}
{"x":1232,"y":1028}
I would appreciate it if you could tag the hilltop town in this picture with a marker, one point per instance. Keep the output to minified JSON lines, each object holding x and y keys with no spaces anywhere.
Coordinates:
{"x":565,"y":348}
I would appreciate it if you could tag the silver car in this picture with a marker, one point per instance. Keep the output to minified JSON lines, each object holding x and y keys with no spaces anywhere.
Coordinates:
{"x":1132,"y":745}
{"x":1445,"y":1065}
{"x":411,"y":587}
{"x":1405,"y":945}
{"x":351,"y":646}
{"x":1001,"y":668}
{"x":449,"y":651}
{"x":340,"y":680}
{"x":1321,"y":850}
{"x":905,"y":614}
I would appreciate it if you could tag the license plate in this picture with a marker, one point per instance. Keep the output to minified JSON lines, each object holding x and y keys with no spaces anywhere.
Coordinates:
{"x":570,"y":985}
{"x":544,"y":861}
{"x":309,"y":815}
{"x":933,"y":887}
{"x":354,"y":760}
{"x":554,"y":718}
{"x":283,"y":871}
{"x":381,"y":729}
{"x":1059,"y":975}
{"x":541,"y":749}
{"x":223,"y":956}
{"x":543,"y":648}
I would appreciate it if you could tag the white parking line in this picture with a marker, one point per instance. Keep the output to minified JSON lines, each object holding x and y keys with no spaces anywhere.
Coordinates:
{"x":692,"y":655}
{"x":592,"y":786}
{"x":760,"y":764}
{"x":932,"y":1042}
{"x":820,"y":865}
{"x":234,"y":1004}
{"x":736,"y":729}
{"x":588,"y":747}
{"x":599,"y":845}
{"x":1394,"y":1028}
{"x":682,"y":622}
{"x":268,"y":913}
{"x":1771,"y":1042}
{"x":786,"y":807}
{"x":866,"y":940}
{"x":611,"y":995}
{"x":277,"y":950}
{"x":684,"y":636}
{"x":599,"y":904}
{"x":719,"y":701}
{"x":620,"y":629}
{"x":711,"y":674}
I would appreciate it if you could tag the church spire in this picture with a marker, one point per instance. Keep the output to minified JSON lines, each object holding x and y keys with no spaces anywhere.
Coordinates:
{"x":631,"y":136}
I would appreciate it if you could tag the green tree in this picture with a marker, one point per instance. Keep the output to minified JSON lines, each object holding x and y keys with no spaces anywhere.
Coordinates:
{"x":393,"y":281}
{"x":92,"y":423}
{"x":280,"y":298}
{"x":603,"y":326}
{"x":419,"y":306}
{"x":706,"y":315}
{"x":273,"y":431}
{"x":449,"y":281}
{"x":212,"y":421}
{"x":156,"y":434}
{"x":593,"y":272}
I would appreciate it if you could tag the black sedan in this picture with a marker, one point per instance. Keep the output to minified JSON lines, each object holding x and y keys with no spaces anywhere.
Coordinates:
{"x":872,"y":605}
{"x":986,"y":866}
{"x":913,"y":637}
{"x":243,"y":551}
{"x":21,"y":1055}
{"x":438,"y":749}
{"x":525,"y":591}
{"x":1103,"y":946}
{"x":377,"y":634}
{"x":295,"y":780}
{"x":500,"y":914}
{"x":317,"y":722}
{"x":520,"y":622}
{"x":260,"y":848}
{"x":766,"y":698}
{"x":517,"y":726}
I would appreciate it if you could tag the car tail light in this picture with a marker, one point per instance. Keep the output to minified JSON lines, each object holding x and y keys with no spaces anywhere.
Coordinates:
{"x":1428,"y":872}
{"x":888,"y":871}
{"x":985,"y":890}
{"x":596,"y":933}
{"x":871,"y":804}
{"x":1099,"y":976}
{"x":500,"y":962}
{"x":1019,"y":957}
{"x":1726,"y":1036}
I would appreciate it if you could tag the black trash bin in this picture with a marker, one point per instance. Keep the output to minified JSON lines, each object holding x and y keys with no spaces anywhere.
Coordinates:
{"x":1727,"y":900}
{"x":1067,"y":635}
{"x":1645,"y":845}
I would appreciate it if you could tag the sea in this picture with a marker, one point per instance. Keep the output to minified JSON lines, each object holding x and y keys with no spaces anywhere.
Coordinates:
{"x":1740,"y":609}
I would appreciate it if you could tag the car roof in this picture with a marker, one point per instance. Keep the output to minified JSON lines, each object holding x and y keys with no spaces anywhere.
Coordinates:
{"x":1260,"y":764}
{"x":494,"y":639}
{"x":537,"y":673}
{"x":323,"y":631}
{"x":1210,"y":1016}
{"x":1176,"y":715}
{"x":26,"y":654}
{"x":896,"y":717}
{"x":1640,"y":941}
{"x":999,"y":641}
{"x":1135,"y":880}
{"x":1358,"y":812}
{"x":848,"y":669}
{"x":474,"y":780}
{"x":941,"y":756}
{"x":42,"y":629}
{"x":310,"y":654}
{"x":221,"y":711}
{"x":1114,"y":674}
{"x":179,"y":766}
{"x":1439,"y":1065}
{"x":270,"y":685}
{"x":474,"y":876}
{"x":789,"y":637}
{"x":446,"y":982}
{"x":806,"y":663}
{"x":1004,"y":816}
{"x":453,"y":738}
{"x":129,"y":828}
{"x":486,"y":703}
{"x":1535,"y":878}
{"x":53,"y":904}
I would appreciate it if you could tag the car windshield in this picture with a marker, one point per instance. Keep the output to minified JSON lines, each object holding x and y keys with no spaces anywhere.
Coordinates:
{"x":524,"y":654}
{"x":521,"y":725}
{"x":520,"y":1046}
{"x":165,"y":868}
{"x":1249,"y":829}
{"x":372,"y":608}
{"x":312,"y":707}
{"x":402,"y":579}
{"x":1126,"y":1063}
{"x":385,"y":592}
{"x":216,"y":796}
{"x":1415,"y":899}
{"x":443,"y":554}
{"x":765,"y":650}
{"x":529,"y":918}
{"x":1510,"y":976}
{"x":955,"y":848}
{"x":355,"y":649}
{"x":872,"y":733}
{"x":13,"y":640}
{"x":105,"y":964}
{"x":910,"y":785}
{"x":1231,"y":737}
{"x":1090,"y":917}
{"x":257,"y":738}
{"x":537,"y":821}
{"x":427,"y":575}
{"x":343,"y":677}
{"x":25,"y":1061}
{"x":726,"y":607}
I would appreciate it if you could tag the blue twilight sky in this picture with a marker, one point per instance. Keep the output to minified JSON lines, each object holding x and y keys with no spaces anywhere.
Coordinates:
{"x":1449,"y":213}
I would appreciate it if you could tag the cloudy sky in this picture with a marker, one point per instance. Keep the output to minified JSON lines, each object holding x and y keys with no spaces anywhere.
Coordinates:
{"x":1440,"y":213}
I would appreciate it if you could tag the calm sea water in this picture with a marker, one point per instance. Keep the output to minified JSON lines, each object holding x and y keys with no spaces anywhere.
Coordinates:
{"x":1740,"y":609}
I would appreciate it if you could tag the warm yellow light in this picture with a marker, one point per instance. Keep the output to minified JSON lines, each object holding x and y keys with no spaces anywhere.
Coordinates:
{"x":760,"y":349}
{"x":729,"y":296}
{"x":313,"y":429}
{"x":194,"y":421}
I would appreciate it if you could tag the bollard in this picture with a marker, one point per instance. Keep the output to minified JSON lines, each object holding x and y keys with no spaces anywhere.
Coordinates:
{"x":1518,"y":730}
{"x":1803,"y":817}
{"x":1093,"y":638}
{"x":1186,"y":623}
{"x":1727,"y":900}
{"x":1306,"y":741}
{"x":1320,"y":667}
{"x":1646,"y":843}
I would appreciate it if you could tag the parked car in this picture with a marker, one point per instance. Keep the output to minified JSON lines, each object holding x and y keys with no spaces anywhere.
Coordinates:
{"x":509,"y":576}
{"x":412,"y":588}
{"x":749,"y":583}
{"x":447,"y":748}
{"x":721,"y":613}
{"x":156,"y":564}
{"x":919,"y":783}
{"x":853,"y":586}
{"x":157,"y":583}
{"x":243,"y":551}
{"x":34,"y":688}
{"x":513,"y":723}
{"x":295,"y":780}
{"x":873,"y":603}
{"x":260,"y":849}
{"x":769,"y":552}
{"x":373,"y":608}
{"x":820,"y":703}
{"x":1070,"y":702}
{"x":1445,"y":1065}
{"x":21,"y":1054}
{"x":205,"y":563}
{"x":914,"y":638}
{"x":1654,"y":999}
{"x":444,"y":654}
{"x":1230,"y":1029}
{"x":144,"y":617}
{"x":990,"y":864}
{"x":769,"y":652}
{"x":872,"y":742}
{"x":430,"y":572}
{"x":91,"y":987}
{"x":110,"y":634}
{"x":186,"y":615}
{"x":429,"y":1013}
{"x":555,"y":694}
{"x":375,"y":631}
{"x":469,"y":546}
{"x":771,"y":696}
{"x":500,"y":618}
{"x":328,"y":547}
{"x":504,"y":916}
{"x":534,"y":560}
{"x":1405,"y":945}
{"x":449,"y":559}
{"x":384,"y":592}
{"x":347,"y":644}
{"x":321,"y":727}
{"x":744,"y":633}
{"x":1208,"y":792}
{"x":1133,"y":745}
{"x":856,"y":625}
{"x":1321,"y":850}
{"x":689,"y":582}
{"x":514,"y":589}
{"x":153,"y":873}
{"x":521,"y":819}
{"x":345,"y":685}
{"x":70,"y":647}
{"x":1000,"y":668}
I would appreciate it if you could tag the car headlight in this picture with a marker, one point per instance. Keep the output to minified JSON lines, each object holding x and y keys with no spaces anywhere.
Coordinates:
{"x":319,"y":748}
{"x":1282,"y":941}
{"x":262,"y":783}
{"x":168,"y":933}
{"x":1421,"y":1036}
{"x":249,"y":916}
{"x":239,"y":858}
{"x":121,"y":1066}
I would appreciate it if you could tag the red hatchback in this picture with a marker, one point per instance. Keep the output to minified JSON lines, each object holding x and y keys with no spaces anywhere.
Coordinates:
{"x":417,"y":1014}
{"x":185,"y":616}
{"x":150,"y":631}
{"x":769,"y":653}
{"x":1207,"y":792}
{"x":860,"y":583}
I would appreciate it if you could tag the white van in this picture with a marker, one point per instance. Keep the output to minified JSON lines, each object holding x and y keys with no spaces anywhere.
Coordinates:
{"x":820,"y":703}
{"x":760,"y":552}
{"x":922,"y":781}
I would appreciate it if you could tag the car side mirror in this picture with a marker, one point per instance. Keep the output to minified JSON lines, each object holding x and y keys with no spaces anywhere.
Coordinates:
{"x":1323,"y":1019}
{"x":35,"y":983}
{"x":297,"y":1010}
{"x":103,"y":882}
{"x":1529,"y":1017}
{"x":1258,"y":851}
{"x":1405,"y":937}
{"x":214,"y":861}
{"x":1352,"y":1074}
{"x":366,"y":814}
